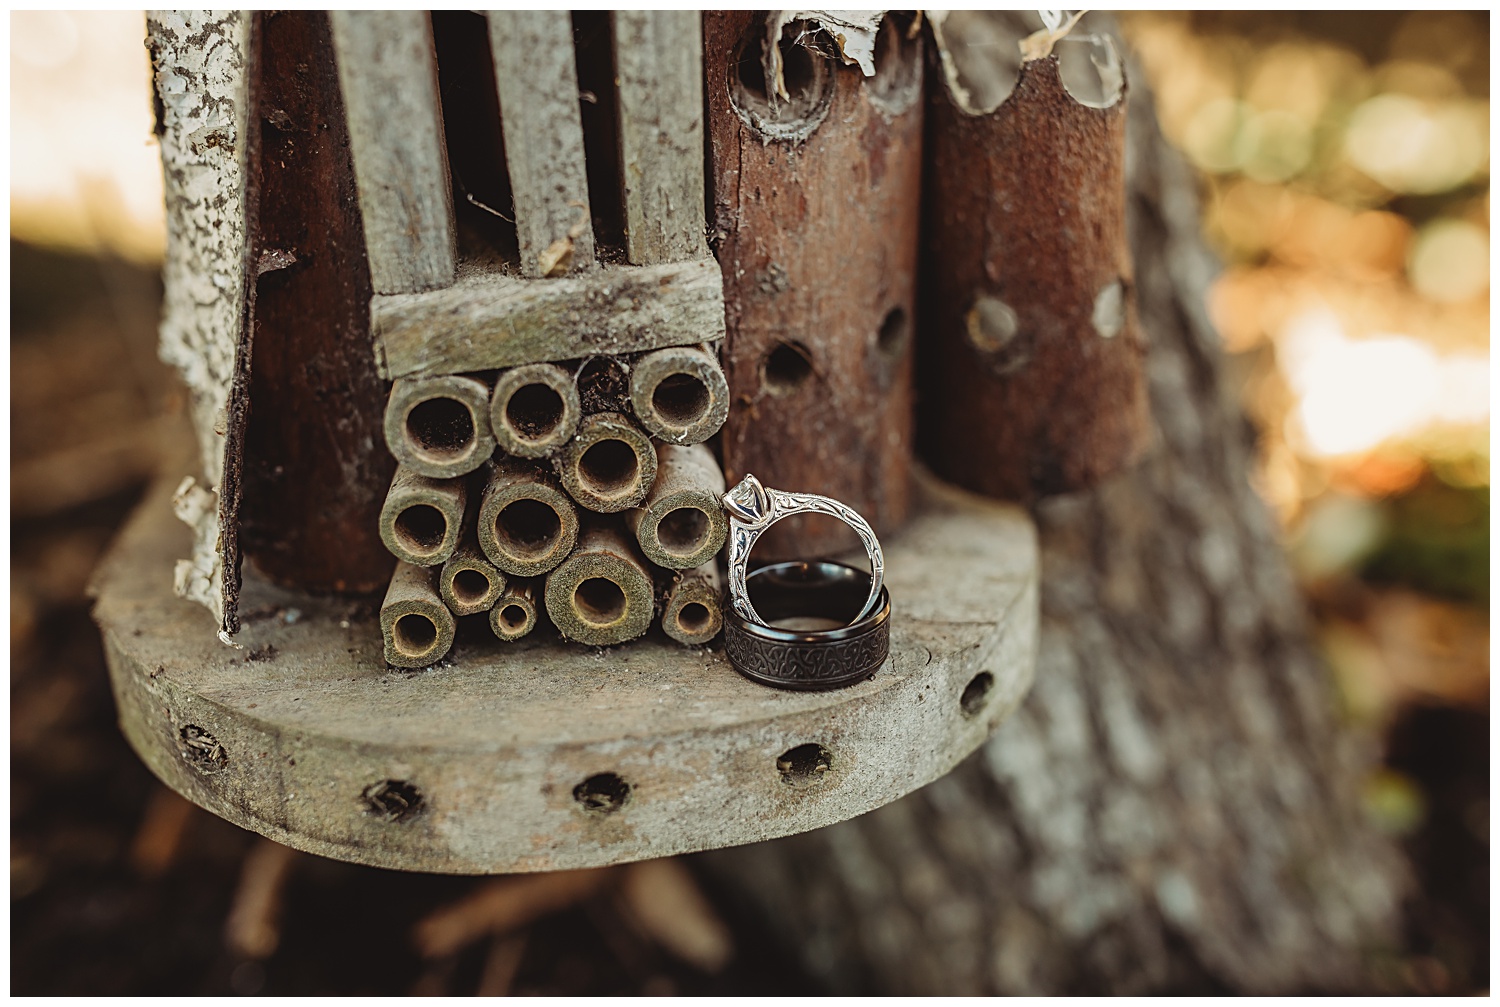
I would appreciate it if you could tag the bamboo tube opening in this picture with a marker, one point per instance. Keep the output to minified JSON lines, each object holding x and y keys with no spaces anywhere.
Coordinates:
{"x":786,"y":368}
{"x":415,"y":635}
{"x":514,"y":618}
{"x":599,"y":601}
{"x":682,"y":398}
{"x":443,"y":428}
{"x":684,"y":531}
{"x":422,"y":529}
{"x":470,"y":586}
{"x":535,"y":410}
{"x":693,"y":618}
{"x":527,"y":529}
{"x":609,"y":467}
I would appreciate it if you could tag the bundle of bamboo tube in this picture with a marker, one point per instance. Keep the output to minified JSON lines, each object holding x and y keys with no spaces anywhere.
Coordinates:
{"x":582,"y":489}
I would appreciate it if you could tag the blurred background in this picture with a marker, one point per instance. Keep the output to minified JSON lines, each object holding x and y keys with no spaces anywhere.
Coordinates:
{"x":1344,"y":166}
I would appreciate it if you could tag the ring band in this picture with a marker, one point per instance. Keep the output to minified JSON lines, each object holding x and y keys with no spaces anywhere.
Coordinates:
{"x":753,"y":508}
{"x":798,"y":653}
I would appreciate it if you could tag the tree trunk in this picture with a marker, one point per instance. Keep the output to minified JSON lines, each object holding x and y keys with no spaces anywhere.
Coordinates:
{"x":1175,"y":805}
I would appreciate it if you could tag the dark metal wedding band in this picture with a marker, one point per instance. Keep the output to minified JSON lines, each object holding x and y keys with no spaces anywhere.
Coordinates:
{"x":808,"y":641}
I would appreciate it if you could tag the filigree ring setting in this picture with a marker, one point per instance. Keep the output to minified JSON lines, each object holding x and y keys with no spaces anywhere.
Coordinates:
{"x":752,"y":508}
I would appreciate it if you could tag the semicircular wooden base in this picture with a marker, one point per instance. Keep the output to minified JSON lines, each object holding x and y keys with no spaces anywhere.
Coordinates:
{"x":546,"y":755}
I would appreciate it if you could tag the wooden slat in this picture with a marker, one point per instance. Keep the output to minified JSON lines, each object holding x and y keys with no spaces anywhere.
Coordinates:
{"x":537,"y":82}
{"x":388,"y":73}
{"x":659,"y":68}
{"x":488,"y":320}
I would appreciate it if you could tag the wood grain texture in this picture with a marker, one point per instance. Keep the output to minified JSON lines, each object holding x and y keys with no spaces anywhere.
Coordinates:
{"x":496,"y":739}
{"x":488,"y":320}
{"x":659,"y":75}
{"x":389,"y":75}
{"x":818,"y":242}
{"x":1033,"y":377}
{"x":315,"y":467}
{"x":537,"y":80}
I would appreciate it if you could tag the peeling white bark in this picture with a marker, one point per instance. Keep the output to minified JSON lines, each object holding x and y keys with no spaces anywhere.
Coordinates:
{"x":201,"y":83}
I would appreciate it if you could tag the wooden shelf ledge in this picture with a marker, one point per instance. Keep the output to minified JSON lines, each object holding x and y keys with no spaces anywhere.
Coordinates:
{"x":545,"y":755}
{"x":488,"y":319}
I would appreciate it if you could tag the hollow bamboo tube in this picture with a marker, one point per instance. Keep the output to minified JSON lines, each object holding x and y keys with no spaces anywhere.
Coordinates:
{"x":534,"y":410}
{"x":415,"y":624}
{"x":694,"y":611}
{"x":514,"y":615}
{"x":422,"y":517}
{"x":682,"y":523}
{"x":1033,"y":366}
{"x":603,"y":384}
{"x":609,"y":465}
{"x":817,"y":205}
{"x":526,"y":525}
{"x":679,"y":394}
{"x":468,"y":581}
{"x":602,"y":594}
{"x":439,"y":427}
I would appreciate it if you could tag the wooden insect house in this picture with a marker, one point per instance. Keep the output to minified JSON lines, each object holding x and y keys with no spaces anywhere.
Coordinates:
{"x":482,"y":314}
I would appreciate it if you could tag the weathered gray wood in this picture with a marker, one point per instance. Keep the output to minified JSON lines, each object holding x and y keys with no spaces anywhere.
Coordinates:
{"x":537,"y":82}
{"x":488,"y":320}
{"x":496,"y":739}
{"x":659,"y":71}
{"x":388,"y":72}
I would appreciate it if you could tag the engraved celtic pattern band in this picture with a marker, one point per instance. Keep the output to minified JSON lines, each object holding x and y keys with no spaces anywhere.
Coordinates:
{"x":753,"y":508}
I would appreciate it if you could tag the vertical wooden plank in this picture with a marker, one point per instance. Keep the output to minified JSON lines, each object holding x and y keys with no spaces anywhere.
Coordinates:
{"x":537,"y":80}
{"x":389,"y":77}
{"x":659,"y":68}
{"x":316,"y":468}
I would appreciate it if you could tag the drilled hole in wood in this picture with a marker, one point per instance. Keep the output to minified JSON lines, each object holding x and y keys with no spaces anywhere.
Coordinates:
{"x":394,"y":800}
{"x":804,"y":764}
{"x":414,"y":634}
{"x":681,"y":399}
{"x":513,"y":618}
{"x":609,"y":467}
{"x":683,"y":531}
{"x":534,"y":411}
{"x":470,"y":586}
{"x":599,"y":601}
{"x":786,"y":368}
{"x":891,"y":339}
{"x":805,"y":75}
{"x":441,"y":427}
{"x":202,"y":749}
{"x":421,"y":528}
{"x":694,"y":617}
{"x":527,"y":528}
{"x":602,"y":794}
{"x":975,"y":693}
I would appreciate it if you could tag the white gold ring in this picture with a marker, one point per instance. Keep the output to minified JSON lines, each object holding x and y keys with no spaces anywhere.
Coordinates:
{"x":752,"y":508}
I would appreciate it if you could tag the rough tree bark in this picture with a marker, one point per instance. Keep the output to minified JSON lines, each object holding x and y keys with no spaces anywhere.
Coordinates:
{"x":1174,"y":807}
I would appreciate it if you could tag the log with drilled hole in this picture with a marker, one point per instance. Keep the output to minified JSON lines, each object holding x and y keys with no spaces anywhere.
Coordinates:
{"x":816,"y":201}
{"x":1032,"y":366}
